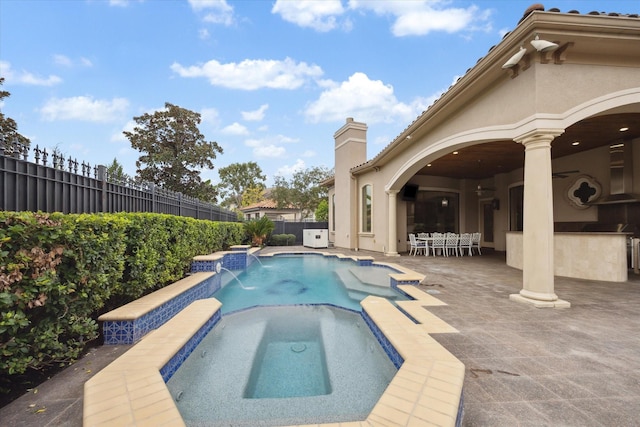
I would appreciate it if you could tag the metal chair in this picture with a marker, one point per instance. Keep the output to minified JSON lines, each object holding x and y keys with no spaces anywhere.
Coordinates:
{"x":451,"y":244}
{"x":465,"y":243}
{"x":437,"y":243}
{"x":416,"y":245}
{"x":475,"y":242}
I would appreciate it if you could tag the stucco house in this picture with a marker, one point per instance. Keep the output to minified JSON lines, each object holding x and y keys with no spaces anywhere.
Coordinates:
{"x":269,"y":208}
{"x":535,"y":147}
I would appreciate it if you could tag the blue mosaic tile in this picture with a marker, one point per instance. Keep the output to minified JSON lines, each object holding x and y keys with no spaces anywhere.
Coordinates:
{"x":176,"y":361}
{"x":460,"y":415}
{"x":391,"y":351}
{"x":128,"y":332}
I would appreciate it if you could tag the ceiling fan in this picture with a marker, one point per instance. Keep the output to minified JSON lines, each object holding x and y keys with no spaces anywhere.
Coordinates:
{"x":563,"y":174}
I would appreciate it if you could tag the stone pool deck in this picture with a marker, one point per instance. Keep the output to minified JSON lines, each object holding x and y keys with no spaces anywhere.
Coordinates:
{"x":523,"y":366}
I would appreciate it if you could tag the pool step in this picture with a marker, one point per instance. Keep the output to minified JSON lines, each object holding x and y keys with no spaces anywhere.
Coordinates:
{"x":351,"y":282}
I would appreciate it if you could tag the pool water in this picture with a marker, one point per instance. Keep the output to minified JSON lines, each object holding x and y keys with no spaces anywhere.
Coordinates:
{"x":290,"y":362}
{"x":274,"y":366}
{"x":303,"y":279}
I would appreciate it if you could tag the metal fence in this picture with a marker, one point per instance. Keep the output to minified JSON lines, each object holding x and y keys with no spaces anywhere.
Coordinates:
{"x":51,"y":183}
{"x":297,"y":228}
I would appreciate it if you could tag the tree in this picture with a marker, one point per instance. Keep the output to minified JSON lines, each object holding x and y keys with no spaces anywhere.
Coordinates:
{"x":322,"y":211}
{"x":237,"y":178}
{"x":174,"y":151}
{"x":259,"y":229}
{"x":9,"y":128}
{"x":303,"y":191}
{"x":252,"y":195}
{"x":115,"y":170}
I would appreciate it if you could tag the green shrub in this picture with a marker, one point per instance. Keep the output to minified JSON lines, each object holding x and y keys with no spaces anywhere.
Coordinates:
{"x":55,"y":272}
{"x":283,"y":240}
{"x":59,"y":272}
{"x":258,"y":230}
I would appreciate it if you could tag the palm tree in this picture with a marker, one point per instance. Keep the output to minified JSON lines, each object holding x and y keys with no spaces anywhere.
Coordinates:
{"x":259,"y":229}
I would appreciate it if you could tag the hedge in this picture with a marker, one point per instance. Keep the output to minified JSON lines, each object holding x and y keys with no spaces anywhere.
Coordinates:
{"x":59,"y":272}
{"x":283,"y":240}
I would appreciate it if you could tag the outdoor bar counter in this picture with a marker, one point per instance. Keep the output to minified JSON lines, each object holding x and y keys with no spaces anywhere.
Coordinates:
{"x":581,"y":255}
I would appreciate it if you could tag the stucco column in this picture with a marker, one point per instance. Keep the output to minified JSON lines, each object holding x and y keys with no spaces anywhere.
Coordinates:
{"x":537,"y":234}
{"x":392,"y":249}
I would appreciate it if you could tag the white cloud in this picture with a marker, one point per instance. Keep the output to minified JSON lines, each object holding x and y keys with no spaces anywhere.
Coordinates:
{"x":65,"y":61}
{"x":252,"y":74}
{"x":287,"y":170}
{"x":235,"y":129}
{"x":218,"y":11}
{"x":370,"y":101}
{"x":264,"y":148}
{"x":420,"y":17}
{"x":203,"y":34}
{"x":286,"y":139}
{"x":25,"y":77}
{"x":84,"y":108}
{"x":210,"y":116}
{"x":319,"y":15}
{"x":256,"y":115}
{"x":309,"y":153}
{"x":119,"y":136}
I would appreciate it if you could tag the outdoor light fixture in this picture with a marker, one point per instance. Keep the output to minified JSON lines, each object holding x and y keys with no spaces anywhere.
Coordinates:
{"x":445,"y":202}
{"x":543,"y":45}
{"x":513,"y":61}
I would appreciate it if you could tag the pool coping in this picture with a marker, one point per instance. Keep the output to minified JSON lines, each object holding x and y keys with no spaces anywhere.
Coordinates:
{"x":426,"y":389}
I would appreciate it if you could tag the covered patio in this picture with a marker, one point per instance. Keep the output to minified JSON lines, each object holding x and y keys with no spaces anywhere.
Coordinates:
{"x":529,"y":143}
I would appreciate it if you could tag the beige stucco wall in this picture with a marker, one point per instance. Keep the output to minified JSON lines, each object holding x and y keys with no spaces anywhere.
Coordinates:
{"x":598,"y":74}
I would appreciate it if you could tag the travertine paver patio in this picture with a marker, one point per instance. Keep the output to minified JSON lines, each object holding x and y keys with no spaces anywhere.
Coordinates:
{"x":524,"y":366}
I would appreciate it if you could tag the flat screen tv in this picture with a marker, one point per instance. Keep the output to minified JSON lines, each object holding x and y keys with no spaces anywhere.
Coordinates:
{"x":409,"y":192}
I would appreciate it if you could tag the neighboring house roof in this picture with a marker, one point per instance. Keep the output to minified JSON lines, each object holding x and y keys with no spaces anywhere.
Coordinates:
{"x":267,"y":204}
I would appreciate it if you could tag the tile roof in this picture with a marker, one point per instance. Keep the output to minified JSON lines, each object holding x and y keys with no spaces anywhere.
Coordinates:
{"x":533,"y":8}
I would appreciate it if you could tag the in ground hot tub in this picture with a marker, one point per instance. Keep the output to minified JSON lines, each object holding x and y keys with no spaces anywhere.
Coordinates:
{"x":281,"y":366}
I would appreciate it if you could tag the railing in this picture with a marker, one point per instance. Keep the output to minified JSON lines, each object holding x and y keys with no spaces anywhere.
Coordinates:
{"x":52,"y":183}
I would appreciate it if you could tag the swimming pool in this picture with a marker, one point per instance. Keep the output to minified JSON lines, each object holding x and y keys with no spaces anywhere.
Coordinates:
{"x":283,"y":366}
{"x":133,"y":389}
{"x":304,"y":279}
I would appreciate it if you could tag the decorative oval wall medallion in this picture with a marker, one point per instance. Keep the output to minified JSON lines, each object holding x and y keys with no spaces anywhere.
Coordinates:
{"x":584,"y":190}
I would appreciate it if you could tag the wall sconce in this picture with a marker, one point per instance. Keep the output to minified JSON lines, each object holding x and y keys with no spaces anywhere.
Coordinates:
{"x":543,"y":45}
{"x":445,"y":202}
{"x":513,"y":61}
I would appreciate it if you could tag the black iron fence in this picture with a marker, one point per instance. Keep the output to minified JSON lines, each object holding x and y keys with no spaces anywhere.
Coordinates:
{"x":297,"y":228}
{"x":51,"y":183}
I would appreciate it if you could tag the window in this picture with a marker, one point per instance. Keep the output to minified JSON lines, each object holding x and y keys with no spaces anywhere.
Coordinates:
{"x":433,"y":211}
{"x":333,"y":212}
{"x":516,"y":208}
{"x":366,"y":209}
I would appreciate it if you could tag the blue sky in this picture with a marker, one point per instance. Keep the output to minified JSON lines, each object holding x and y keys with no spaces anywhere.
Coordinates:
{"x":273,"y":80}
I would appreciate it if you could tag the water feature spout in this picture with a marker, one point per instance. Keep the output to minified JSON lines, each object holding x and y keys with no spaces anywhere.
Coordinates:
{"x":257,"y":259}
{"x":219,"y":268}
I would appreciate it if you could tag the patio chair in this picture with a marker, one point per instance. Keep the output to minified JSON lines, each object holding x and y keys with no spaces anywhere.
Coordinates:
{"x":437,"y":243}
{"x":451,"y":244}
{"x":475,"y":242}
{"x":465,"y":243}
{"x":416,"y":245}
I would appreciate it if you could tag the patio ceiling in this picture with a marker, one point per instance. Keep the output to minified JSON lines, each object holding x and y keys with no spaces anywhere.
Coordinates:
{"x":485,"y":160}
